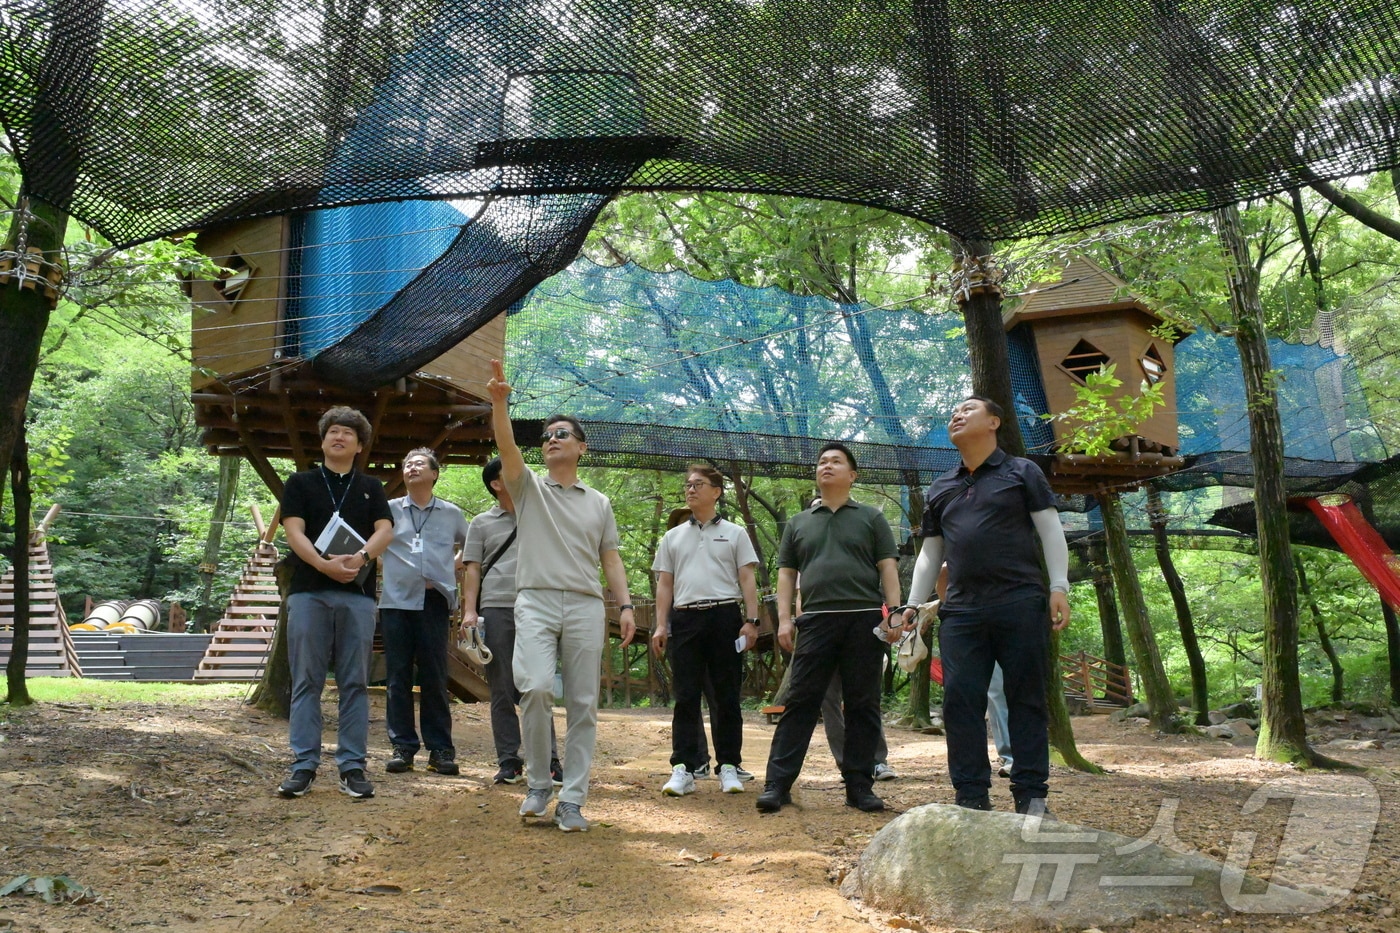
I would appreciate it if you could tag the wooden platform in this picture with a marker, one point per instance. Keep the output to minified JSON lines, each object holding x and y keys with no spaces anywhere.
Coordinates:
{"x":242,"y":640}
{"x":1098,"y":684}
{"x":51,"y":652}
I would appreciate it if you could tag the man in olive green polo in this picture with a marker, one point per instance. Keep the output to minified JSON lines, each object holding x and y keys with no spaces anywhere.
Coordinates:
{"x":848,"y":561}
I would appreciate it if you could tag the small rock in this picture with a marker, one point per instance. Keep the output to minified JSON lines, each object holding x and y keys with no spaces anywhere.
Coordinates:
{"x":1220,"y":732}
{"x":1216,"y":717}
{"x":1379,"y":724}
{"x":1240,"y":727}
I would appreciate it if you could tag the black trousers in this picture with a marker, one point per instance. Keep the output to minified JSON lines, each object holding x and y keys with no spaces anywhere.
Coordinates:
{"x":828,"y":642}
{"x":416,"y":640}
{"x":1014,"y":636}
{"x":702,"y":642}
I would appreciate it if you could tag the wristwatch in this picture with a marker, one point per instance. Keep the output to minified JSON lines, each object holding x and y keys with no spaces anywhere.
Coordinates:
{"x":754,"y":623}
{"x":625,"y":607}
{"x":364,"y":555}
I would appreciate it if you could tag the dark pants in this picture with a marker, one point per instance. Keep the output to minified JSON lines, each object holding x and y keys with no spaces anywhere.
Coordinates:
{"x":1014,"y":636}
{"x":417,"y":638}
{"x":702,"y":642}
{"x":500,"y":675}
{"x":828,"y":642}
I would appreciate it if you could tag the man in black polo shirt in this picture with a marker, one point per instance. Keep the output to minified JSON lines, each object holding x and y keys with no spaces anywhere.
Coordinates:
{"x":985,"y":518}
{"x":846,"y":555}
{"x":330,"y":608}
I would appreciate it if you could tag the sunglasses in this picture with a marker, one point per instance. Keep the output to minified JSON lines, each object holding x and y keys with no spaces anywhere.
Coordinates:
{"x":558,"y":434}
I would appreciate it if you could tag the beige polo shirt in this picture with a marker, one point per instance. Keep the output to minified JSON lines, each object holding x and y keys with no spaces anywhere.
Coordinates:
{"x":564,"y":533}
{"x":704,"y":561}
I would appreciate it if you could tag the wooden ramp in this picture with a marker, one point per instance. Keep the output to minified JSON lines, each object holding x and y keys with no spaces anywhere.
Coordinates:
{"x":51,"y":652}
{"x":243,"y":639}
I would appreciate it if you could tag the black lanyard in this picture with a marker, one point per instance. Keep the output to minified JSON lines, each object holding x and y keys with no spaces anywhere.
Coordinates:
{"x":427,"y":514}
{"x":349,"y":481}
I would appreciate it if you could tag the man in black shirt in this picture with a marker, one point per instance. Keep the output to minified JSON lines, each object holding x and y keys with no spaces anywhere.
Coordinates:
{"x":990,"y":519}
{"x":330,"y":608}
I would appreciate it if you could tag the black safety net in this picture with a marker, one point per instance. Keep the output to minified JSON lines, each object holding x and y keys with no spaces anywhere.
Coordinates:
{"x":993,"y":119}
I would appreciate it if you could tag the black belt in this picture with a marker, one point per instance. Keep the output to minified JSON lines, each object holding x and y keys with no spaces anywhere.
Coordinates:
{"x":707,"y":604}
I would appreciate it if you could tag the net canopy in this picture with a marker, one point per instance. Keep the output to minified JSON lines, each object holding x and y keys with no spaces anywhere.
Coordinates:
{"x":991,"y":118}
{"x":665,"y":368}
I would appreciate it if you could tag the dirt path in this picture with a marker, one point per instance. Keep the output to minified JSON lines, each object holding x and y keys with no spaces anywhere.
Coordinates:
{"x":168,"y":814}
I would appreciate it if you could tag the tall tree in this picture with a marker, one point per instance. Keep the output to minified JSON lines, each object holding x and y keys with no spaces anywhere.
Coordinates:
{"x":1200,"y":687}
{"x":16,"y":685}
{"x":1282,"y":728}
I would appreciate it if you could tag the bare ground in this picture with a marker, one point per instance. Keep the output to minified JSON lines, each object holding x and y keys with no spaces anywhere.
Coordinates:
{"x":168,"y":815}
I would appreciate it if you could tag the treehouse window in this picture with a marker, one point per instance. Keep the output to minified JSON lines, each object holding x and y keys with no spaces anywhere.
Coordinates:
{"x":1154,"y":370}
{"x":1085,"y":358}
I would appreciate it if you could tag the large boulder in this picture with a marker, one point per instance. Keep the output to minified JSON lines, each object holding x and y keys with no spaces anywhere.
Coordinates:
{"x":968,"y":868}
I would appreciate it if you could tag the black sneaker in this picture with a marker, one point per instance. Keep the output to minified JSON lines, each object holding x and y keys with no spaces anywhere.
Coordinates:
{"x":401,"y":760}
{"x":704,"y":771}
{"x":354,"y":783}
{"x":297,"y":783}
{"x":975,"y":803}
{"x":443,"y":762}
{"x":1034,"y":806}
{"x":556,"y":772}
{"x":774,"y":798}
{"x":863,"y":798}
{"x":509,"y":774}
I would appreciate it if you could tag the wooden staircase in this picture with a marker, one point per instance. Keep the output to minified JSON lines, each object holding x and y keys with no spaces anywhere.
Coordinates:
{"x":51,"y":652}
{"x":1097,"y":683}
{"x":242,"y":640}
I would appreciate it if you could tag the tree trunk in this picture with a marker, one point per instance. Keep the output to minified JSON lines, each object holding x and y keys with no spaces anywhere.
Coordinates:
{"x":1109,"y":623}
{"x":1200,"y":687}
{"x":17,"y":687}
{"x":1282,"y":729}
{"x":1161,"y":702}
{"x":1392,"y":646}
{"x":990,"y":363}
{"x":274,"y":692}
{"x":64,"y":82}
{"x":1338,"y":673}
{"x":207,"y":613}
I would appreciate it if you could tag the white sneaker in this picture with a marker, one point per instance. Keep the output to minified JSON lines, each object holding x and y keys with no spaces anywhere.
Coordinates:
{"x":682,"y":782}
{"x":884,"y":772}
{"x":729,"y":781}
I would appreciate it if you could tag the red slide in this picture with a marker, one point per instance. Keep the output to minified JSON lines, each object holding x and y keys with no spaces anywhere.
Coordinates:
{"x":1361,"y":542}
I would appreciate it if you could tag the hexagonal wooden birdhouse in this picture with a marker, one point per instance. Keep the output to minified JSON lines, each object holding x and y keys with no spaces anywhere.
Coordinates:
{"x":1086,"y":320}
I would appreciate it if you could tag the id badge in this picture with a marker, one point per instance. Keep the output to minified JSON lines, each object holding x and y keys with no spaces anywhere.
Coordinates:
{"x":416,"y":545}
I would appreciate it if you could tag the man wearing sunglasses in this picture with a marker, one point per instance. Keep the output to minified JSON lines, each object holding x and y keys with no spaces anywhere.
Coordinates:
{"x":566,"y":531}
{"x":704,"y":569}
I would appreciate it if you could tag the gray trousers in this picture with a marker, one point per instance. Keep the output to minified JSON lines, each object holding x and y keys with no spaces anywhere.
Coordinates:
{"x":500,"y":674}
{"x":328,"y":627}
{"x":568,"y":629}
{"x":834,"y":721}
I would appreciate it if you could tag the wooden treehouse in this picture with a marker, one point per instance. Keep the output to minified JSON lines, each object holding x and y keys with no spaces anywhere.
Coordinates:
{"x":1087,"y":320}
{"x":255,"y":397}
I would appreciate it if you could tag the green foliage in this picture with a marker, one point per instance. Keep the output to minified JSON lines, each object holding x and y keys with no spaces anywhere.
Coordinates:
{"x":1097,"y":418}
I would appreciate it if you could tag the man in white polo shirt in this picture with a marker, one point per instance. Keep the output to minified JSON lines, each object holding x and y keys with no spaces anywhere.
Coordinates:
{"x":703,"y":568}
{"x":566,"y":530}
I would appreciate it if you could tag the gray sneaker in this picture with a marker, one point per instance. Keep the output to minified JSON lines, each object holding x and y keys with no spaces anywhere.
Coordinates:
{"x":536,"y":802}
{"x":568,"y":817}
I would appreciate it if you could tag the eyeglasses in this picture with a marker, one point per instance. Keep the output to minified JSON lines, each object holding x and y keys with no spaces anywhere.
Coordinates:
{"x":558,"y":434}
{"x":700,"y":485}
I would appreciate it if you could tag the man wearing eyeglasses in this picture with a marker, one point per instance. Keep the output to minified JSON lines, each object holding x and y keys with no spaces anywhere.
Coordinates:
{"x":704,"y":568}
{"x":846,"y":556}
{"x":566,"y":531}
{"x":420,"y":593}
